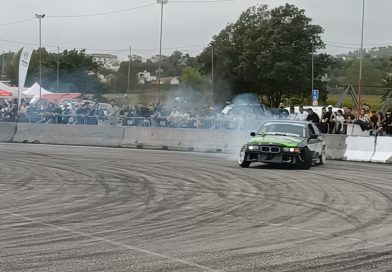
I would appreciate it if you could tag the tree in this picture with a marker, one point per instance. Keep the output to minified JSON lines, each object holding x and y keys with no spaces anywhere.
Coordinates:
{"x":78,"y":71}
{"x":191,"y":79}
{"x":267,"y":52}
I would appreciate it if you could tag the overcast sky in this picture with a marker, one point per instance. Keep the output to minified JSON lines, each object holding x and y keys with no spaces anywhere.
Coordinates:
{"x":188,"y":25}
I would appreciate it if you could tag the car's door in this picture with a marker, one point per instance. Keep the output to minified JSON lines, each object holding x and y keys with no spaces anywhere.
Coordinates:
{"x":316,"y":141}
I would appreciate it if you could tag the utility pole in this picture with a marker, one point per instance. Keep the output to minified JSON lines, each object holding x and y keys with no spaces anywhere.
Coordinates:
{"x":58,"y":67}
{"x":162,"y":2}
{"x":129,"y":69}
{"x":360,"y":60}
{"x":2,"y":67}
{"x":212,"y":72}
{"x":312,"y":67}
{"x":39,"y":17}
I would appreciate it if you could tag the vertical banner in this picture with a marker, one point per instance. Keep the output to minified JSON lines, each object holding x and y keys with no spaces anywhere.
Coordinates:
{"x":24,"y":61}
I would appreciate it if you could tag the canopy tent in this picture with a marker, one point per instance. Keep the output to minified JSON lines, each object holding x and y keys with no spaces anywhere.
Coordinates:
{"x":5,"y":93}
{"x":56,"y":97}
{"x":5,"y":86}
{"x":34,"y":90}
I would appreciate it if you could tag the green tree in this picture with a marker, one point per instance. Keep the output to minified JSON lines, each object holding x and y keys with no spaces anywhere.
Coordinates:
{"x":191,"y":79}
{"x":371,"y":74}
{"x":267,"y":52}
{"x":78,"y":71}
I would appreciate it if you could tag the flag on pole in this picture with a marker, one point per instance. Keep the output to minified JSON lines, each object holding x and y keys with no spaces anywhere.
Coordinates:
{"x":23,"y":67}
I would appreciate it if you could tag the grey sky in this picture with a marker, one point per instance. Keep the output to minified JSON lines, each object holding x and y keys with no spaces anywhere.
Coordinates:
{"x":187,"y":26}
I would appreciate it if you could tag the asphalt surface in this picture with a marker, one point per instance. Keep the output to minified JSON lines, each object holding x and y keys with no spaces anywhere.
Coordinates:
{"x":66,"y":208}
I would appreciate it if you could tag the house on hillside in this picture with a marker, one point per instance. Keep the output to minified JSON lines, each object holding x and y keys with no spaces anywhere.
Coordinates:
{"x":108,"y":61}
{"x":145,"y":77}
{"x":173,"y":81}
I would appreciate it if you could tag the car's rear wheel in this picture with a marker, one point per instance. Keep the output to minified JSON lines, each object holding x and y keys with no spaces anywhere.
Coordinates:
{"x":242,"y":159}
{"x":307,"y":158}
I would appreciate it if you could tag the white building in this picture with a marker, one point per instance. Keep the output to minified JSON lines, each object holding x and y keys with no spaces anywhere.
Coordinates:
{"x":145,"y":77}
{"x":108,"y":61}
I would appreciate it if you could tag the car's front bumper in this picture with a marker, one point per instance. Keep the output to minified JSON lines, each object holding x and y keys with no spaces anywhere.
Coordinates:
{"x":282,"y":157}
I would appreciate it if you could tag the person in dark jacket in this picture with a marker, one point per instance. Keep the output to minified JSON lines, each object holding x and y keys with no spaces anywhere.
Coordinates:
{"x":313,"y":117}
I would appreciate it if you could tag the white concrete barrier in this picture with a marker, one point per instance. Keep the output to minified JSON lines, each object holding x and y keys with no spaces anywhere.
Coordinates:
{"x":341,"y":147}
{"x":69,"y":134}
{"x":335,"y":146}
{"x":184,"y":139}
{"x":383,"y":152}
{"x":7,"y":131}
{"x":359,"y":148}
{"x":355,"y":130}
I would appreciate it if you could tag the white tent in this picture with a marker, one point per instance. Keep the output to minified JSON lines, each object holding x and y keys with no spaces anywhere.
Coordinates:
{"x":5,"y":86}
{"x":34,"y":90}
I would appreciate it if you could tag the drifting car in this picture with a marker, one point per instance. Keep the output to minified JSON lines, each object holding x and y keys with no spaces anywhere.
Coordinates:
{"x":284,"y":142}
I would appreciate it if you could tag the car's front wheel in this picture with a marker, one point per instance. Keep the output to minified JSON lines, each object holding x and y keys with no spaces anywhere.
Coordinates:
{"x":242,"y":159}
{"x":306,"y":155}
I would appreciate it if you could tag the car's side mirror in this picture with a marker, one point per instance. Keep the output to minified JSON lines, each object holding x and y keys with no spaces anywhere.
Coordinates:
{"x":253,"y":134}
{"x":313,"y":136}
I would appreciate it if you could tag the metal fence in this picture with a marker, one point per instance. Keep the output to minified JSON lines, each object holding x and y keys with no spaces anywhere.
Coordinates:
{"x":218,"y":122}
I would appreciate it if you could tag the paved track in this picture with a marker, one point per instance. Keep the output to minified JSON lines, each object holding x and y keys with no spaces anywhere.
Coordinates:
{"x":99,"y":209}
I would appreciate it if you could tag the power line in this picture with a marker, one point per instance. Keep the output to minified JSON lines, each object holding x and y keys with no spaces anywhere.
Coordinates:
{"x":342,"y":43}
{"x":17,"y":22}
{"x":199,"y":1}
{"x":102,"y":13}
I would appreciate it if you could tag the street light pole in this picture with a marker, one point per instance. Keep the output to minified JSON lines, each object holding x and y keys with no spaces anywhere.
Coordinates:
{"x":58,"y":67}
{"x":2,"y":67}
{"x":312,"y":67}
{"x":129,"y":68}
{"x":39,"y":17}
{"x":160,"y":52}
{"x":360,"y":60}
{"x":212,"y":72}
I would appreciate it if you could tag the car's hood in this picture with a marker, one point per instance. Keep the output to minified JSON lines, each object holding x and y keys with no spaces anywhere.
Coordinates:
{"x":289,"y":141}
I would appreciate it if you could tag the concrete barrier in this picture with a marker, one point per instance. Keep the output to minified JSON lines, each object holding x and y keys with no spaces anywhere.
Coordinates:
{"x":359,"y":148}
{"x":69,"y":134}
{"x":340,"y":147}
{"x":355,"y":130}
{"x":336,"y":146}
{"x":7,"y":131}
{"x":184,"y":139}
{"x":383,"y":151}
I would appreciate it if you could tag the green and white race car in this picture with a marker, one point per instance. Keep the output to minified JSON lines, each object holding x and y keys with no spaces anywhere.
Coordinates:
{"x":285,"y":142}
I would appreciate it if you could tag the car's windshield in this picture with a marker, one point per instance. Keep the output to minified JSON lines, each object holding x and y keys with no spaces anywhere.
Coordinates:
{"x":288,"y":129}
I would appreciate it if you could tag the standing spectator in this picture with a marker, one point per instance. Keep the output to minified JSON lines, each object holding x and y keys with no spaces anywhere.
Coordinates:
{"x":282,"y":113}
{"x":373,"y":122}
{"x":23,"y":111}
{"x":329,"y":116}
{"x":349,"y":118}
{"x":66,"y":114}
{"x":387,"y":124}
{"x":301,"y":115}
{"x":324,"y":126}
{"x":92,"y":118}
{"x":368,"y":112}
{"x":337,"y":122}
{"x":379,"y":125}
{"x":313,"y":117}
{"x":363,"y":120}
{"x":113,"y":112}
{"x":292,"y":113}
{"x":57,"y":113}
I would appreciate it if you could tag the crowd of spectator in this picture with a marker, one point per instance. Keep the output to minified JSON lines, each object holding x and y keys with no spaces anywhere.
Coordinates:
{"x":184,"y":116}
{"x":335,"y":122}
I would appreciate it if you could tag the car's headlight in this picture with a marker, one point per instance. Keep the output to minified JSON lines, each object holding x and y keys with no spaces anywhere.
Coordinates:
{"x":253,"y":147}
{"x":292,"y":149}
